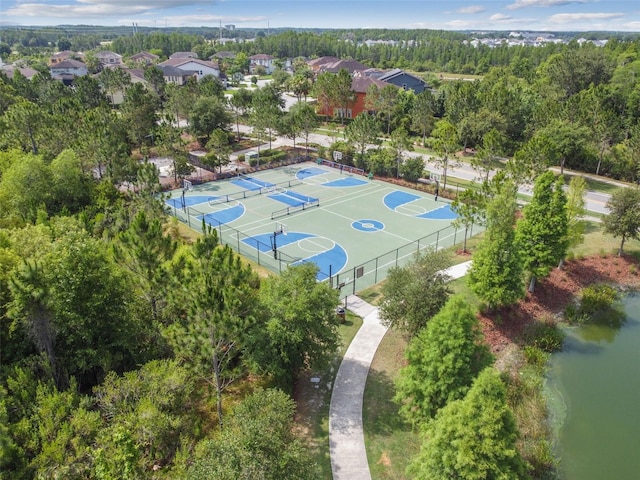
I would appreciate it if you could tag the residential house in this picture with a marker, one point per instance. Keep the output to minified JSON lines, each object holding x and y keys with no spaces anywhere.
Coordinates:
{"x":359,"y":85}
{"x":137,"y":76}
{"x":26,"y":72}
{"x":61,"y":57}
{"x":222,"y":55}
{"x":108,"y":58}
{"x":404,"y":80}
{"x":176,"y":75}
{"x":316,"y":63}
{"x":347,"y":64}
{"x":67,"y":70}
{"x":144,"y":58}
{"x":263,"y":60}
{"x":183,"y":55}
{"x":201,"y":67}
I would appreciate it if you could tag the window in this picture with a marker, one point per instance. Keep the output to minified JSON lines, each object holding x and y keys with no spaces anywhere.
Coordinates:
{"x":404,"y":86}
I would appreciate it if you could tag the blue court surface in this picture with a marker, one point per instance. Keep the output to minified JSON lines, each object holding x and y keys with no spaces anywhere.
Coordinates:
{"x":357,"y":229}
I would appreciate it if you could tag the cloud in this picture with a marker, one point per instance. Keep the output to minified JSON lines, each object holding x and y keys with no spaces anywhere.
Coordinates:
{"x":193,"y":20}
{"x":564,"y":18}
{"x":93,"y":8}
{"x":542,"y":3}
{"x":472,"y":9}
{"x":500,"y":17}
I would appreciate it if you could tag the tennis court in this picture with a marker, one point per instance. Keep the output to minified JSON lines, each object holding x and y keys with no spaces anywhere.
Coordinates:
{"x":352,"y":227}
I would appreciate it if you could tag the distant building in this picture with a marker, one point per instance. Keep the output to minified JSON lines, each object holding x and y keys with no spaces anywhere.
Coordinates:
{"x":404,"y":80}
{"x":348,"y":64}
{"x":359,"y":85}
{"x":144,"y":58}
{"x":183,"y":55}
{"x":200,"y":67}
{"x":61,"y":56}
{"x":68,"y":67}
{"x":108,"y":58}
{"x":263,"y":60}
{"x":26,"y":72}
{"x":175,"y":75}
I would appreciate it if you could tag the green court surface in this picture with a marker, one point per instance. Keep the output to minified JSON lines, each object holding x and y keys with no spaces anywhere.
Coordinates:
{"x":353,"y":228}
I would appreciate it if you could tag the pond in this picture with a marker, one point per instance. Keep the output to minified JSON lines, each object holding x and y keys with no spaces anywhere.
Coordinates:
{"x":594,"y":399}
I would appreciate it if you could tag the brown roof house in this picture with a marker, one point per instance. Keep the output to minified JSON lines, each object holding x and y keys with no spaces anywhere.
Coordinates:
{"x":183,"y":55}
{"x":317,"y":63}
{"x":348,"y":64}
{"x":61,"y":56}
{"x":105,"y":57}
{"x":144,"y":58}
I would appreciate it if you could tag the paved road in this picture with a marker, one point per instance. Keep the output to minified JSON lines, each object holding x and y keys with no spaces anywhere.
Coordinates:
{"x":595,"y":202}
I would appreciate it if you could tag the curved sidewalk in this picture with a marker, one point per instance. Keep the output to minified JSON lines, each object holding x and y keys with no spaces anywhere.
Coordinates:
{"x":346,"y":433}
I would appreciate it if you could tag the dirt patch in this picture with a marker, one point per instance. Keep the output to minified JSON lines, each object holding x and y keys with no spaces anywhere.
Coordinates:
{"x":384,"y":459}
{"x":505,"y":327}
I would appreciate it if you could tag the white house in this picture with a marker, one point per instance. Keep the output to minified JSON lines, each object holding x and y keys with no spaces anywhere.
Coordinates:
{"x":68,"y":67}
{"x":106,"y":57}
{"x":261,"y":59}
{"x":200,"y":67}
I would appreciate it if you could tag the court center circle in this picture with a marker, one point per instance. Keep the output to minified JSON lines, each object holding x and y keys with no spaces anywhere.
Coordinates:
{"x":368,"y":225}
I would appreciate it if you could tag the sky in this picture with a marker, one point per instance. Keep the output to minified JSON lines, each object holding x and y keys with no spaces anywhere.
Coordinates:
{"x":536,"y":15}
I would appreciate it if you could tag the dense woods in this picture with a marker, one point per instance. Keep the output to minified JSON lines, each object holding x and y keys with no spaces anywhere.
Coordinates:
{"x":122,"y":342}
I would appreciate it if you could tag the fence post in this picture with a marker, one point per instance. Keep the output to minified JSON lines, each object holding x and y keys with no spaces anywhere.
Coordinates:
{"x":354,"y":280}
{"x":437,"y":238}
{"x":376,"y":274}
{"x":188,"y":217}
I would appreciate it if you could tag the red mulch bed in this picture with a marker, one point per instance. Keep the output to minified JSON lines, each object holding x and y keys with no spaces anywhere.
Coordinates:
{"x":506,"y":326}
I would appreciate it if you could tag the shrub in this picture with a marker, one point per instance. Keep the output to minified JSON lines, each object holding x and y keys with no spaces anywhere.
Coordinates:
{"x":545,"y":336}
{"x":535,"y":357}
{"x":596,"y":298}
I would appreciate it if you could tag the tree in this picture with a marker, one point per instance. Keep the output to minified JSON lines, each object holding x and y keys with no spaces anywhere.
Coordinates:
{"x":267,"y":106}
{"x":400,"y":142}
{"x":145,"y":251}
{"x":25,"y":125}
{"x":624,"y":215}
{"x":412,"y":169}
{"x":363,"y":131}
{"x":207,"y":115}
{"x":575,"y":212}
{"x":154,"y":76}
{"x":442,"y":362}
{"x":114,"y":80}
{"x":496,"y":272}
{"x":139,"y":113}
{"x":305,"y":117}
{"x":300,"y":324}
{"x":468,"y":206}
{"x":422,"y":113}
{"x":445,"y":143}
{"x":240,"y":102}
{"x":77,"y":298}
{"x":323,"y":89}
{"x":219,"y":149}
{"x":217,"y":305}
{"x":473,"y":438}
{"x":541,"y":235}
{"x":343,"y":96}
{"x":257,"y":442}
{"x":413,"y":294}
{"x":383,"y":100}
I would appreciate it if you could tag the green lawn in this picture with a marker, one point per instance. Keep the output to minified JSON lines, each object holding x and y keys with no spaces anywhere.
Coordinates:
{"x":390,"y":442}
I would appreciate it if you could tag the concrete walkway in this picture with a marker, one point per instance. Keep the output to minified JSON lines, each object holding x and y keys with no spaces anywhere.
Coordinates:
{"x":346,"y":434}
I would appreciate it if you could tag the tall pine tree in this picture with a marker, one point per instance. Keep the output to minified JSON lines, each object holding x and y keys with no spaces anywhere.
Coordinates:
{"x":541,"y":236}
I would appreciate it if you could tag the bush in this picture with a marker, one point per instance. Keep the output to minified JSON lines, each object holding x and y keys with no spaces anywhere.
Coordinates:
{"x":596,"y":298}
{"x":545,"y":336}
{"x":535,"y":356}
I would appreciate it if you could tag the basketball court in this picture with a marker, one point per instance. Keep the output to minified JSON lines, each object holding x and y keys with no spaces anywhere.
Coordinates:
{"x":352,"y":227}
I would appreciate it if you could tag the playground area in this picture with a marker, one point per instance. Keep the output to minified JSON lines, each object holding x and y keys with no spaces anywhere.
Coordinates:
{"x":354,"y":228}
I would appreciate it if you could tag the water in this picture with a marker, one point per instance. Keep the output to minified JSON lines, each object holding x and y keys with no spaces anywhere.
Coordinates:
{"x":594,"y":386}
